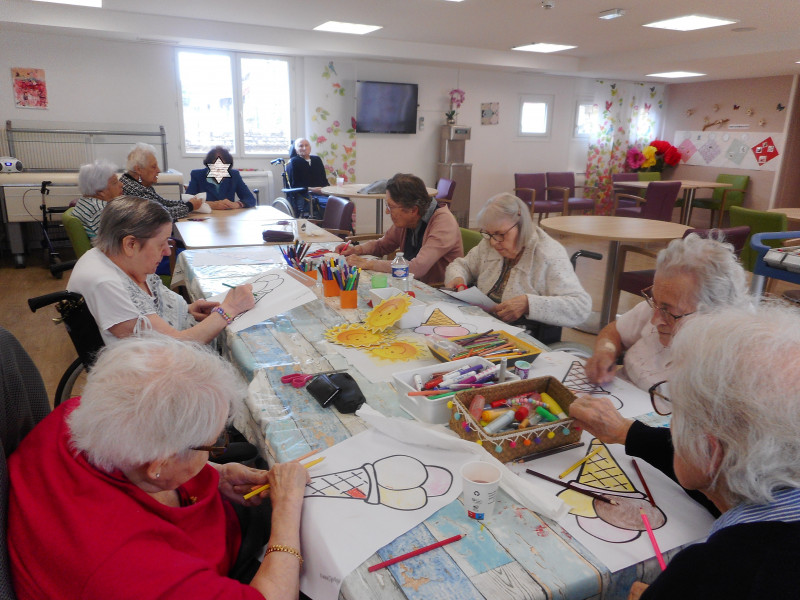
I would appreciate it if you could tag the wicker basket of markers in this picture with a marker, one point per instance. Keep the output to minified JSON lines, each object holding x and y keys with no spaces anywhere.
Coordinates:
{"x":510,"y":445}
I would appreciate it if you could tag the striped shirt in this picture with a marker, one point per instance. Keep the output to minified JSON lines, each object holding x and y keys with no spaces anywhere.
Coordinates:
{"x":88,"y":211}
{"x":785,"y":508}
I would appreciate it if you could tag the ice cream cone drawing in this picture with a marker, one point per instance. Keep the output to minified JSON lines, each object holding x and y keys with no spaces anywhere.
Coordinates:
{"x":400,"y":482}
{"x":440,"y":324}
{"x":577,"y":381}
{"x":618,"y":523}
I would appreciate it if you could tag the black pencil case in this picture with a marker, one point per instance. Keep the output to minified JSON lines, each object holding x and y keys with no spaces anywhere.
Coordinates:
{"x":339,"y":389}
{"x":273,"y":235}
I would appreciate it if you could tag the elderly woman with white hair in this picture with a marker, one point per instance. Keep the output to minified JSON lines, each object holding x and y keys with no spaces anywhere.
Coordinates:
{"x":117,"y":279}
{"x":142,"y":173}
{"x":99,"y":184}
{"x":523,"y":269}
{"x":736,"y":434}
{"x":112,"y":494}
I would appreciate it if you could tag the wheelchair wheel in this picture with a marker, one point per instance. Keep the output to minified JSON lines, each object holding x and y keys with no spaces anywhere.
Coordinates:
{"x":68,"y":379}
{"x":579,"y":350}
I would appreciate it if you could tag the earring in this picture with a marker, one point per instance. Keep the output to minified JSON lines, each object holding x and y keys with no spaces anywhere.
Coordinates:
{"x":140,"y":179}
{"x":158,"y":474}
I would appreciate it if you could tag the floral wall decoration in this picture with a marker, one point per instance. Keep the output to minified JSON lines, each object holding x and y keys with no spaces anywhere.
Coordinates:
{"x":30,"y":88}
{"x":332,"y":126}
{"x":629,"y":115}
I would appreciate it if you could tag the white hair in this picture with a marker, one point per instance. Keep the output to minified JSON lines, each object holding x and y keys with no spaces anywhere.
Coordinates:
{"x":738,"y":380}
{"x":720,"y":278}
{"x":152,"y":397}
{"x":507,"y":207}
{"x":93,"y":177}
{"x":139,"y":155}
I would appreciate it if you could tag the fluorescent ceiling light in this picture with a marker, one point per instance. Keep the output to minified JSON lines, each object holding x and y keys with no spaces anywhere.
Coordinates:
{"x":613,"y":13}
{"x":675,"y":74}
{"x":540,"y":47}
{"x":354,"y":28}
{"x":92,"y":3}
{"x":690,"y":23}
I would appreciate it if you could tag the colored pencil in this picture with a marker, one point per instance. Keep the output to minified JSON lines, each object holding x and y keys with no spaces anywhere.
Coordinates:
{"x":659,"y":557}
{"x":580,"y":462}
{"x":260,"y":489}
{"x":549,"y":452}
{"x":571,"y":486}
{"x":416,"y":552}
{"x":644,"y":483}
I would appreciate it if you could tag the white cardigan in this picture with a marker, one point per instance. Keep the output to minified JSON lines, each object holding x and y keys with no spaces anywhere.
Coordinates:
{"x":543,"y":273}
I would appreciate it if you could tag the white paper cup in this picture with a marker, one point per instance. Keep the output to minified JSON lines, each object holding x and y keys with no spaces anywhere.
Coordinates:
{"x":340,"y":181}
{"x":480,"y":480}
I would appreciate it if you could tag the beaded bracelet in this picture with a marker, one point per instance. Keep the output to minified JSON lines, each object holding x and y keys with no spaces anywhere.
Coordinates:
{"x":460,"y":287}
{"x":287,"y":549}
{"x":220,"y":311}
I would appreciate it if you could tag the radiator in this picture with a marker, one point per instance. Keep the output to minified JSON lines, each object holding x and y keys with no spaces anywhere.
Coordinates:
{"x":262,"y":181}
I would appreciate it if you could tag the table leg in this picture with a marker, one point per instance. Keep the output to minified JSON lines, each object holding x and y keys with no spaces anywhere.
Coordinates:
{"x":688,"y":198}
{"x":379,"y":216}
{"x":611,"y":270}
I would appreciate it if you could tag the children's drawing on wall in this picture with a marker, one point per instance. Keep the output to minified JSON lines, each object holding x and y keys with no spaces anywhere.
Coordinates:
{"x":399,"y":481}
{"x":577,"y":381}
{"x":731,"y":149}
{"x":620,"y":522}
{"x":30,"y":88}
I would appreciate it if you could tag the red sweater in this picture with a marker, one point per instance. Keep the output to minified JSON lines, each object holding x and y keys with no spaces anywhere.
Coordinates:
{"x":76,"y":532}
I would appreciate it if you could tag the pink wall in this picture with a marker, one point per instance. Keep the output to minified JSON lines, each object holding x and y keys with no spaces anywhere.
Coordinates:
{"x":762,"y":94}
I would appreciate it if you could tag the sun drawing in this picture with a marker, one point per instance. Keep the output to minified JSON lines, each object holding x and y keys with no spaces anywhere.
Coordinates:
{"x":356,"y":335}
{"x":387,"y":313}
{"x":398,"y":350}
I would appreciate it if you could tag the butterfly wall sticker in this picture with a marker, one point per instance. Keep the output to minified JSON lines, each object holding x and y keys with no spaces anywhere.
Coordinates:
{"x":780,"y":107}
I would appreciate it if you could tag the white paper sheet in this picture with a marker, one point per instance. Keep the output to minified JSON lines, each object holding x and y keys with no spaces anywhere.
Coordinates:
{"x":276,"y":291}
{"x":474,"y":296}
{"x":463,"y":323}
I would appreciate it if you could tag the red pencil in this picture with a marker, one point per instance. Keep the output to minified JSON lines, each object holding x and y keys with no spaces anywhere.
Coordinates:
{"x":416,"y":552}
{"x":644,"y":483}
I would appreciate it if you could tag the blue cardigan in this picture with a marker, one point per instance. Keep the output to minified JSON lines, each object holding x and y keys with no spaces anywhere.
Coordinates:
{"x":227,"y":187}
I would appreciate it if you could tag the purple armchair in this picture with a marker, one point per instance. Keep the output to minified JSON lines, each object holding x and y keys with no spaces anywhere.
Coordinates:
{"x":657,"y":204}
{"x":562,"y":185}
{"x":532,"y":189}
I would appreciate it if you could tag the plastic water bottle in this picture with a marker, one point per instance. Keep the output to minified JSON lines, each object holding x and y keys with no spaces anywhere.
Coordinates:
{"x":400,"y":272}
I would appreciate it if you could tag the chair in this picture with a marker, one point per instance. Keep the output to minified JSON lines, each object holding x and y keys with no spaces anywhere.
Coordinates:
{"x":338,"y":218}
{"x":634,"y":282}
{"x":759,"y":221}
{"x":563,"y":184}
{"x":282,"y":204}
{"x":445,"y":189}
{"x":24,"y":403}
{"x":77,"y":237}
{"x":530,"y":186}
{"x":469,"y":239}
{"x":723,"y":198}
{"x":657,"y":204}
{"x":622,"y":177}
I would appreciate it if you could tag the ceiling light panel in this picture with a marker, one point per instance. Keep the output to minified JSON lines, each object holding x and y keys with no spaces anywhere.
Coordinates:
{"x":690,"y":23}
{"x":354,"y":28}
{"x":675,"y":74}
{"x":91,"y":3}
{"x":540,"y":47}
{"x":613,"y":13}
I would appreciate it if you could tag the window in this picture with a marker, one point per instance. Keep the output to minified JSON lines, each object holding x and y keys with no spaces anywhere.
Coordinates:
{"x":241,"y":102}
{"x":535,"y":116}
{"x":584,"y":114}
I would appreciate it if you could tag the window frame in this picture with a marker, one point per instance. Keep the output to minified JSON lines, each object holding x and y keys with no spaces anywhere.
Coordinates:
{"x":582,"y":101}
{"x":238,"y":117}
{"x":549,"y":101}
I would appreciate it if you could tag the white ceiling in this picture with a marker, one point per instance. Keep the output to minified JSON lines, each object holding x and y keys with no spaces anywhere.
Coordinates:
{"x":476,"y":33}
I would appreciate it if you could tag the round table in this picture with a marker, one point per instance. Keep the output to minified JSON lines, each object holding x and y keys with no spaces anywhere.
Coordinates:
{"x":351,"y":190}
{"x":792,"y":215}
{"x":614,"y":230}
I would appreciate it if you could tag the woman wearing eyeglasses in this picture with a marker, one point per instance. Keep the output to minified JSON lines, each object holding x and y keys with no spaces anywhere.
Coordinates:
{"x":522,"y":268}
{"x":112,"y":494}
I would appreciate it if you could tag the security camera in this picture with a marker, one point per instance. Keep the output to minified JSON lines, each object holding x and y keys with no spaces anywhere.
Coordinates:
{"x":548,"y":4}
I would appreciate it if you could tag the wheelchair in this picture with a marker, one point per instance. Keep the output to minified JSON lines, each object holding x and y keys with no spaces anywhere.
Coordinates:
{"x":310,"y":207}
{"x":83,"y":332}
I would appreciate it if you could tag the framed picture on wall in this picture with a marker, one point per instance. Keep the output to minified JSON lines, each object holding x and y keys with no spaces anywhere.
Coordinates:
{"x":30,"y":88}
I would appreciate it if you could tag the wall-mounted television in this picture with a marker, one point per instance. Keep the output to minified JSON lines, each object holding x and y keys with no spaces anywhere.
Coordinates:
{"x":384,"y":107}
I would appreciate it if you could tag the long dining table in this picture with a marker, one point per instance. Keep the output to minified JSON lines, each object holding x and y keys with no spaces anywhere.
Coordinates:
{"x":689,"y":188}
{"x":614,"y":230}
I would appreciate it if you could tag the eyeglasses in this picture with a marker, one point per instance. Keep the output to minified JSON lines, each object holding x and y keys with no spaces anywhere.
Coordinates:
{"x":647,"y":294}
{"x":661,"y":403}
{"x":218,"y":448}
{"x":497,"y":237}
{"x":390,"y":209}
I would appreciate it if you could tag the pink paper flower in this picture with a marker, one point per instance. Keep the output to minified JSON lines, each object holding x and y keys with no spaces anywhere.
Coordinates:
{"x":634,"y":159}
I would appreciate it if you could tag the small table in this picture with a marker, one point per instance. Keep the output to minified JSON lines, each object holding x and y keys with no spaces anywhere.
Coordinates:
{"x":792,"y":215}
{"x":615,"y":230}
{"x":351,"y":190}
{"x":243,"y":227}
{"x":688,"y":186}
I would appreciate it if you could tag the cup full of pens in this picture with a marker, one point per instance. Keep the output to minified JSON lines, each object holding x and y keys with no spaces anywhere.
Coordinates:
{"x":339,"y":279}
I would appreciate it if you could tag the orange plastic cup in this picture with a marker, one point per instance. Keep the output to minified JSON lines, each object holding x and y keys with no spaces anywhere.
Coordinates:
{"x":349,"y":298}
{"x":330,"y":288}
{"x":313,"y":273}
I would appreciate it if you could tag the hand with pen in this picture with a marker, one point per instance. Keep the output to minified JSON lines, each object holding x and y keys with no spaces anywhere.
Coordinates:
{"x":602,"y":366}
{"x":287,"y":482}
{"x":511,"y":310}
{"x":600,"y":417}
{"x":346,"y":249}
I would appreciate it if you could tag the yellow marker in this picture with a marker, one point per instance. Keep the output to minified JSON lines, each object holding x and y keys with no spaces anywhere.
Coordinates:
{"x":491,"y":415}
{"x":580,"y":462}
{"x":260,"y":489}
{"x":552,"y":405}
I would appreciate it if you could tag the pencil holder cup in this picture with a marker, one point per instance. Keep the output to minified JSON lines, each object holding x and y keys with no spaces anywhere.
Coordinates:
{"x":330,"y":288}
{"x":379,"y":281}
{"x":349,"y":298}
{"x":312,"y":274}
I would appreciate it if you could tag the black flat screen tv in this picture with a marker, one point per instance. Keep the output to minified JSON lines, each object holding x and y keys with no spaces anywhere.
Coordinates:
{"x":384,"y":107}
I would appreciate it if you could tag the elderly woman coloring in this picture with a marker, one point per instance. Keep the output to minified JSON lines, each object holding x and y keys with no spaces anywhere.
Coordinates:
{"x":99,"y":184}
{"x":736,"y":434}
{"x":220,"y":194}
{"x":521,"y":267}
{"x":112,"y":495}
{"x":125,"y":297}
{"x":142,"y":174}
{"x":427,"y":233}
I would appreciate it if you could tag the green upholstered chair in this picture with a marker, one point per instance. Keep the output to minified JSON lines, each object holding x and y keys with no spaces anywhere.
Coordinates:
{"x":759,"y":221}
{"x":723,"y":198}
{"x":470,"y":239}
{"x":649,"y":176}
{"x":76,"y":233}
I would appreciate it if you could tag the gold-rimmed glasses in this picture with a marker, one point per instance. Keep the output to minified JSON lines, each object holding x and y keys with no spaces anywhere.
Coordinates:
{"x":660,"y":401}
{"x":647,"y":294}
{"x":216,"y":449}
